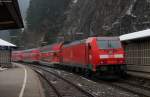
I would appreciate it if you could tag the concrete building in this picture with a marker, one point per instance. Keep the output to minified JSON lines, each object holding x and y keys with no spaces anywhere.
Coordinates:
{"x":137,"y":47}
{"x":5,"y":53}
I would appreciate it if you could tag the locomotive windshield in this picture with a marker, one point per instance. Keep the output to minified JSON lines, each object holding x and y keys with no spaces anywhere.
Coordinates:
{"x":109,"y":44}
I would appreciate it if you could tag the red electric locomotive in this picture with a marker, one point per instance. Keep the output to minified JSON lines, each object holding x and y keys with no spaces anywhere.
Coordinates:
{"x":97,"y":54}
{"x":31,"y":55}
{"x":102,"y":55}
{"x":17,"y":56}
{"x":50,"y":54}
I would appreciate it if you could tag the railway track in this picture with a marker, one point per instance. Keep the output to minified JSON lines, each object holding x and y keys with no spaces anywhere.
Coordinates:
{"x":133,"y":88}
{"x":49,"y":83}
{"x":72,"y":90}
{"x":129,"y":85}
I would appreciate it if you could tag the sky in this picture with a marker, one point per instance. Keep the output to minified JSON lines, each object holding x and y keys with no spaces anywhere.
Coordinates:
{"x":23,"y":4}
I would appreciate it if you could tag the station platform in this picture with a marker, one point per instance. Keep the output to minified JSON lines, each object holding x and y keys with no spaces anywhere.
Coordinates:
{"x":20,"y":81}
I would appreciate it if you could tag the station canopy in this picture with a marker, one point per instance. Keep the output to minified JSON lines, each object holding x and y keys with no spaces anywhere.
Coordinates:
{"x":5,"y":43}
{"x":10,"y":17}
{"x":135,"y":35}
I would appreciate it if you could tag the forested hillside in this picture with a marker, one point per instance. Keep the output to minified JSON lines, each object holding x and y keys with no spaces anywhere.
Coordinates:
{"x":46,"y":19}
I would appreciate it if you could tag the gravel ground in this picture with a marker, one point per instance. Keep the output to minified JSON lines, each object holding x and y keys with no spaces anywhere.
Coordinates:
{"x":64,"y":88}
{"x":48,"y":90}
{"x":96,"y":89}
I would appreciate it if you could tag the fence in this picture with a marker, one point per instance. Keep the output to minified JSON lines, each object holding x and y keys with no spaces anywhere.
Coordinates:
{"x":138,"y":56}
{"x":138,"y":52}
{"x":5,"y":56}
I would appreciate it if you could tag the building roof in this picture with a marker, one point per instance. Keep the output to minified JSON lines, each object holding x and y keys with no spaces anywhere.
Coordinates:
{"x":10,"y":17}
{"x":135,"y":35}
{"x":5,"y":43}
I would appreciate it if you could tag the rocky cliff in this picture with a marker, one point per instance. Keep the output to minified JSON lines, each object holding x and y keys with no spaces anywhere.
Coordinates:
{"x":86,"y":17}
{"x":107,"y":17}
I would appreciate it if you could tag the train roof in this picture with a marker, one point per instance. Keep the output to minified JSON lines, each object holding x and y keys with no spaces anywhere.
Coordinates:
{"x":51,"y":46}
{"x":33,"y":49}
{"x":135,"y":35}
{"x":5,"y":43}
{"x":89,"y":39}
{"x":16,"y":51}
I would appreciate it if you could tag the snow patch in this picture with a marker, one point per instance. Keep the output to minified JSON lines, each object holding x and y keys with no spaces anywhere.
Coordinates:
{"x":59,"y":73}
{"x":65,"y":74}
{"x":125,"y":94}
{"x":95,"y":93}
{"x":1,"y":69}
{"x":106,"y":27}
{"x":115,"y":23}
{"x":148,"y":1}
{"x":129,"y":11}
{"x":88,"y":80}
{"x":80,"y":85}
{"x":40,"y":71}
{"x":98,"y":93}
{"x":110,"y":88}
{"x":75,"y":1}
{"x":54,"y":82}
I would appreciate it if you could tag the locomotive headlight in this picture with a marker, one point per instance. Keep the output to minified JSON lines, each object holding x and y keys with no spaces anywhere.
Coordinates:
{"x":119,"y":56}
{"x":104,"y":56}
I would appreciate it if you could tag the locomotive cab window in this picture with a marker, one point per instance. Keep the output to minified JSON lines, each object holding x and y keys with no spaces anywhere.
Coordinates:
{"x":109,"y":44}
{"x":115,"y":44}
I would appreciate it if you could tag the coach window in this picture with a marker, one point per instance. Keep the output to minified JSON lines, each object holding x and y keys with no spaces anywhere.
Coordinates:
{"x":54,"y":54}
{"x":89,"y":46}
